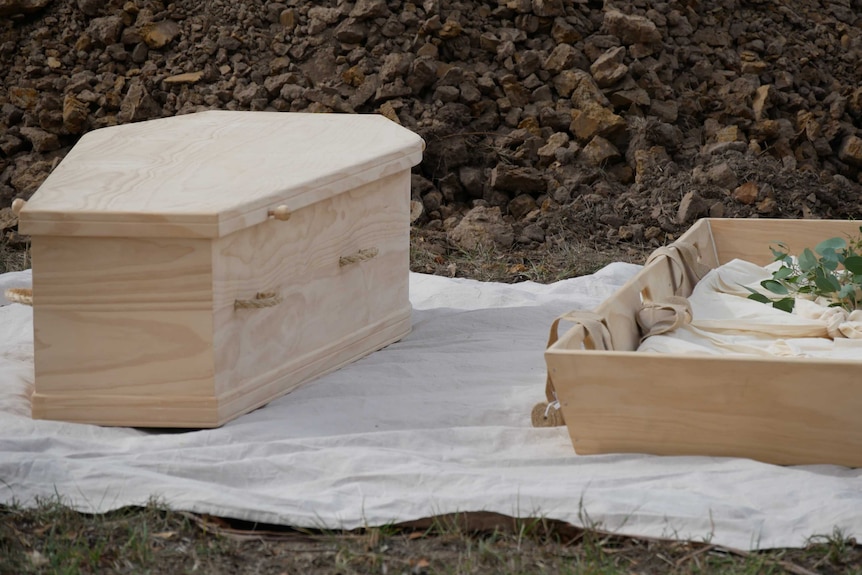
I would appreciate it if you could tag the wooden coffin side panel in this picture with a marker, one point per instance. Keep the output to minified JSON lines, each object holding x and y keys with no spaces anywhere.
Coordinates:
{"x":749,"y":239}
{"x":340,"y":270}
{"x":121,"y":327}
{"x":784,"y":412}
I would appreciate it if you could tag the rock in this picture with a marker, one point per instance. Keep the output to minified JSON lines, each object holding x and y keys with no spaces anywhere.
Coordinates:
{"x":718,"y":148}
{"x":609,"y":69}
{"x":767,"y":206}
{"x":562,"y":57}
{"x":517,"y":179}
{"x":599,"y":151}
{"x":665,"y":110}
{"x":138,"y":104}
{"x":91,"y":7}
{"x":691,"y":207}
{"x":41,"y":140}
{"x":762,"y":100}
{"x":522,"y":205}
{"x":24,"y":98}
{"x":649,"y":161}
{"x":746,"y":193}
{"x":548,"y":8}
{"x":106,"y":30}
{"x":727,"y":134}
{"x":850,"y":150}
{"x":592,"y":120}
{"x":472,"y":180}
{"x":8,"y":219}
{"x":627,"y":98}
{"x":631,"y":233}
{"x":548,"y":152}
{"x":20,"y":7}
{"x":245,"y":95}
{"x":157,"y":35}
{"x":451,"y":29}
{"x":28,"y":176}
{"x":483,"y":227}
{"x":189,"y":78}
{"x":387,"y":110}
{"x":367,"y":9}
{"x":532,"y":233}
{"x":585,"y":90}
{"x":75,"y":114}
{"x":10,"y":144}
{"x":631,"y":29}
{"x":722,"y":175}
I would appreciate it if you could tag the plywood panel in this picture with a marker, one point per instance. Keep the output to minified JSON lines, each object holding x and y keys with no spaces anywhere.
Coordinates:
{"x":779,"y":410}
{"x":327,"y":309}
{"x":750,"y":239}
{"x":784,"y":412}
{"x":211,"y":173}
{"x":123,"y":316}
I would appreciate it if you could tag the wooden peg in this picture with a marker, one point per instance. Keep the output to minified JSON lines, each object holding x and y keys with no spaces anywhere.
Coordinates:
{"x":17,"y":205}
{"x":280,"y":213}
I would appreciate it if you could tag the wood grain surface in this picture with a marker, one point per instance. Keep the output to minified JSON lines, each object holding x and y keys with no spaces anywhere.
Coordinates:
{"x":211,"y":173}
{"x":147,"y":235}
{"x":784,"y":411}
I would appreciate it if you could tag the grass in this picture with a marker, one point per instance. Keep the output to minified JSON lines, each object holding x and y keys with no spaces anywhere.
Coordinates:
{"x":558,"y":259}
{"x":52,"y":538}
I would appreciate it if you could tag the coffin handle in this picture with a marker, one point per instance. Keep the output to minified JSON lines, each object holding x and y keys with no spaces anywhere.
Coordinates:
{"x":279,"y":213}
{"x":260,"y":300}
{"x":360,"y":256}
{"x":19,"y":295}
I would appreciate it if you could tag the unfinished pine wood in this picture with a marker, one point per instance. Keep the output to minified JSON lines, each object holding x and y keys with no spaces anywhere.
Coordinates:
{"x":212,"y":173}
{"x":188,"y":270}
{"x":331,"y":313}
{"x":784,"y":411}
{"x":125,"y":317}
{"x":744,"y":240}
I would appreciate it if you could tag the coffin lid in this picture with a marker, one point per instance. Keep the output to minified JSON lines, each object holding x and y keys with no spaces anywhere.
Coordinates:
{"x":212,"y":173}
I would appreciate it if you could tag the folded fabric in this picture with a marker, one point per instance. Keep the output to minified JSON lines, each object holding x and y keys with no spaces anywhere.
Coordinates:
{"x":725,"y":320}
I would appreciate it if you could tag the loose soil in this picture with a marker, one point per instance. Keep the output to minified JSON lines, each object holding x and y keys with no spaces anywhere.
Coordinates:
{"x":554,"y":129}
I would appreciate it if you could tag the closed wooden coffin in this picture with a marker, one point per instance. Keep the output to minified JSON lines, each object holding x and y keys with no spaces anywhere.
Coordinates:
{"x":187,"y":270}
{"x":783,"y":411}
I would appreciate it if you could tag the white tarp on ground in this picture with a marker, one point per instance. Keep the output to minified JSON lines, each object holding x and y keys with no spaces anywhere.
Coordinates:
{"x":437,"y":423}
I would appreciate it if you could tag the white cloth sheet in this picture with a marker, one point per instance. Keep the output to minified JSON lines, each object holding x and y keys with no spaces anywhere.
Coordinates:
{"x":437,"y":423}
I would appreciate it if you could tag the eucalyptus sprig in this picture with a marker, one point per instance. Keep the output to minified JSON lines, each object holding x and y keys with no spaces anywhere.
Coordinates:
{"x":832,"y":271}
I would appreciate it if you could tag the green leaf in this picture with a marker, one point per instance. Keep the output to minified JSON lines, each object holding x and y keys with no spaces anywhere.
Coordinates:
{"x":830,"y":244}
{"x":757,"y":296}
{"x":807,"y":260}
{"x":775,"y":287}
{"x":783,"y":272}
{"x":846,"y":291}
{"x":779,"y":255}
{"x":784,"y":304}
{"x":826,"y":282}
{"x":853,"y":264}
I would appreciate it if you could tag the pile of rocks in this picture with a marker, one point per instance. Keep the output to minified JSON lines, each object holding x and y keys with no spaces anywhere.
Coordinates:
{"x":598,"y":120}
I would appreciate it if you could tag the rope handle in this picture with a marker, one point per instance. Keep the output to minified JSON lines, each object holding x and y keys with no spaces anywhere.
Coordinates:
{"x":360,"y":256}
{"x":23,"y":296}
{"x":260,"y":300}
{"x":659,"y":317}
{"x":684,"y":257}
{"x":596,"y":334}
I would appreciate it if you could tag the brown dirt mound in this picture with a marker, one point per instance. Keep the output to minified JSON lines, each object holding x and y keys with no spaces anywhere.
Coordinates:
{"x":546,"y":122}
